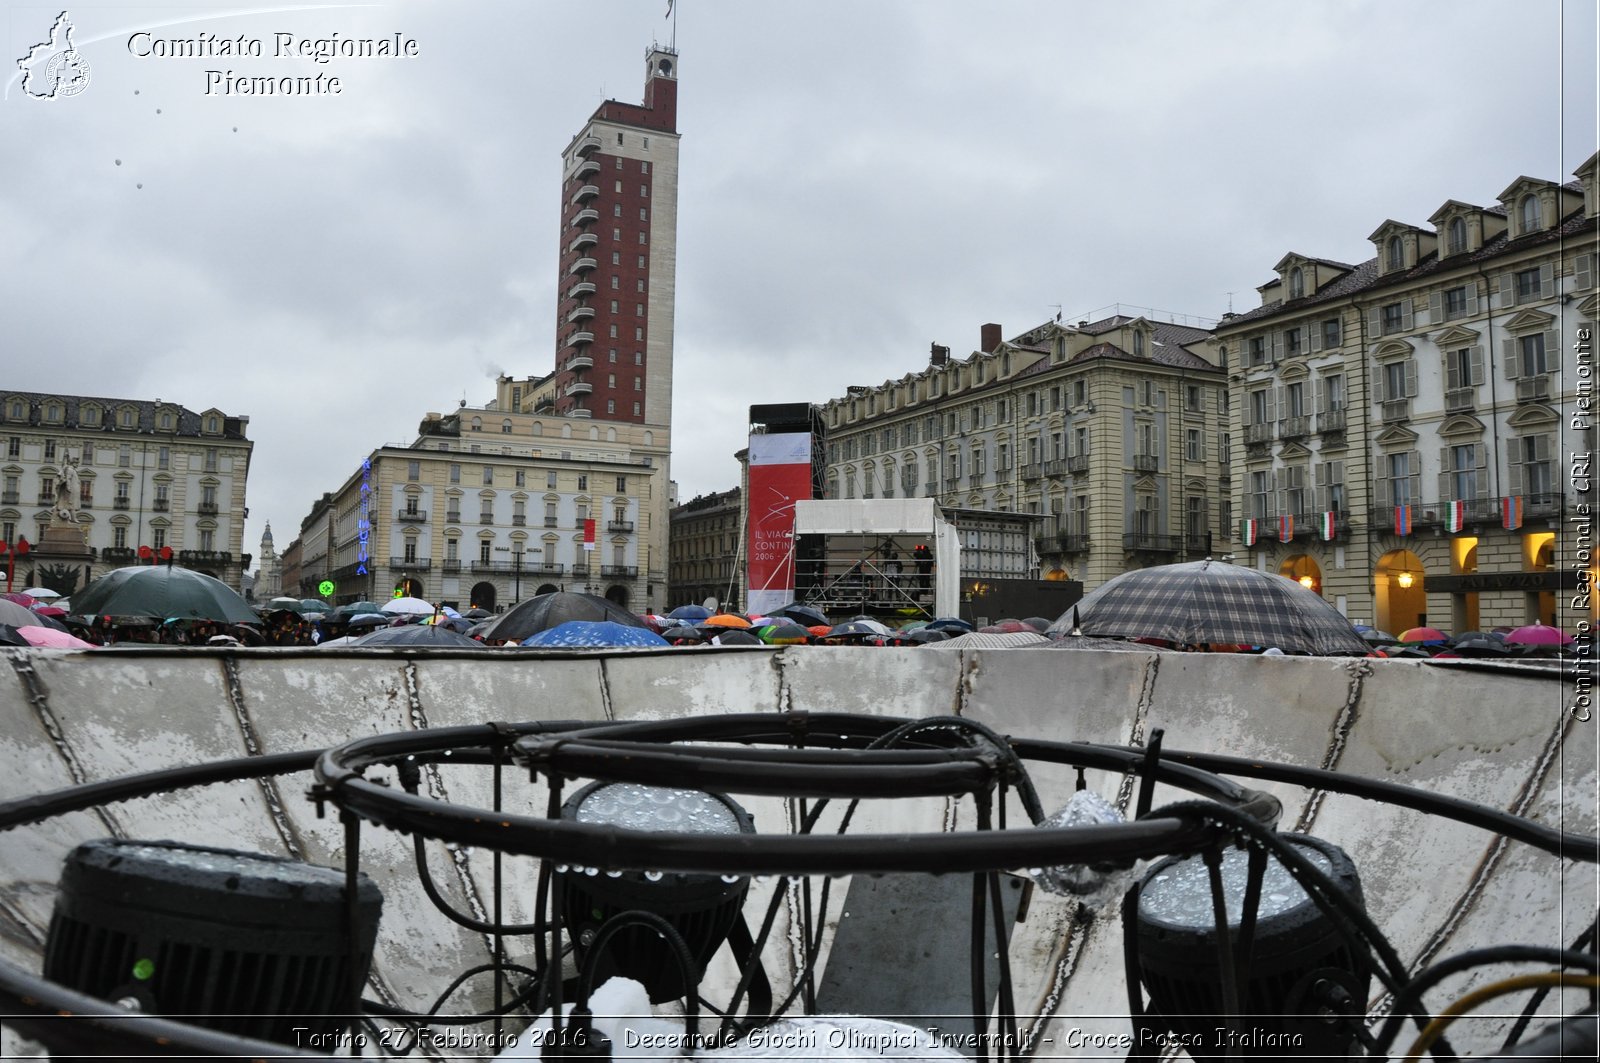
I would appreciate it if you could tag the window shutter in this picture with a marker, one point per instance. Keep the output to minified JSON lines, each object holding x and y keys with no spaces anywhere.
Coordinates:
{"x":1411,"y":378}
{"x":1547,"y":281}
{"x":1480,"y":464}
{"x":1374,"y":322}
{"x":1406,"y":320}
{"x":1277,"y":347}
{"x":1415,"y":466}
{"x":1552,"y":351}
{"x":1472,"y":297}
{"x":1446,"y":492}
{"x":1280,"y":404}
{"x":1475,"y":358}
{"x":1583,"y":271}
{"x":1318,"y":395}
{"x":1320,"y":486}
{"x":1435,"y":308}
{"x":1514,"y":469}
{"x":1314,"y":337}
{"x":1541,"y":448}
{"x":1452,"y":373}
{"x":1377,"y":386}
{"x":1508,"y":359}
{"x":1508,"y":291}
{"x":1383,"y":500}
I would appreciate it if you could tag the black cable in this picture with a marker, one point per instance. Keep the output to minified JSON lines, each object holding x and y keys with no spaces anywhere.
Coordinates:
{"x":1410,"y":994}
{"x":425,"y":877}
{"x":432,"y":1018}
{"x":680,"y":951}
{"x":1583,"y":941}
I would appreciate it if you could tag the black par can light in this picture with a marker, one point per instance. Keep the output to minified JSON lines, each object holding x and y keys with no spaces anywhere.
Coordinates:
{"x":1306,"y":985}
{"x":241,"y":942}
{"x":702,"y":908}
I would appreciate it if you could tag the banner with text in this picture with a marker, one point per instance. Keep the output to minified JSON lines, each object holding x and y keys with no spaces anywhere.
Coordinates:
{"x":780,"y":475}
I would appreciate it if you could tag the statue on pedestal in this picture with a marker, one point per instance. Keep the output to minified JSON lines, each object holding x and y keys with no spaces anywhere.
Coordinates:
{"x":66,"y":508}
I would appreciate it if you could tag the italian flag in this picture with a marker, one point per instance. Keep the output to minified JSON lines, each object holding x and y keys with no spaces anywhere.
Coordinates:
{"x":1329,"y":523}
{"x":1457,"y":518}
{"x":1249,"y":531}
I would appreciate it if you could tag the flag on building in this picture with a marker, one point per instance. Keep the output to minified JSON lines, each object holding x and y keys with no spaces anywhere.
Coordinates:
{"x":1249,"y":531}
{"x":1285,"y":527}
{"x":1330,"y":524}
{"x":1456,"y":519}
{"x":1511,"y":512}
{"x":588,"y":534}
{"x":1402,"y":520}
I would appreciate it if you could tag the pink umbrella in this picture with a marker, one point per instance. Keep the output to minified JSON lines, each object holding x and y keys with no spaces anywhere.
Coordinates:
{"x":1539,"y":635}
{"x":49,"y":610}
{"x":51,"y":638}
{"x":21,"y":599}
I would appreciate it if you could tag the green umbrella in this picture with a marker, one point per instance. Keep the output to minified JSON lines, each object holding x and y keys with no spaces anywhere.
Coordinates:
{"x":164,"y":592}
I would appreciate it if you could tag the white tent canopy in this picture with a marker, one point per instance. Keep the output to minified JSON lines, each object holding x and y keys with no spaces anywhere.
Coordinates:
{"x":898,"y":516}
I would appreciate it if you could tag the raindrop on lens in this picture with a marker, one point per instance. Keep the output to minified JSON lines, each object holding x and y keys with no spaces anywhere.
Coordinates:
{"x":591,"y":871}
{"x":561,"y":869}
{"x":730,"y":878}
{"x":613,"y":874}
{"x":653,"y":876}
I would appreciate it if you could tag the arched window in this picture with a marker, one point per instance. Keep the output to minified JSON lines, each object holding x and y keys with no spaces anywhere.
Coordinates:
{"x":1458,"y":235}
{"x":1530,"y":213}
{"x":1297,"y":283}
{"x":1397,"y":254}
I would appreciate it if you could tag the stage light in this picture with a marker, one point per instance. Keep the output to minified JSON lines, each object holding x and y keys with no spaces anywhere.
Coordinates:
{"x":1304,"y":976}
{"x":235,"y":941}
{"x":702,"y":908}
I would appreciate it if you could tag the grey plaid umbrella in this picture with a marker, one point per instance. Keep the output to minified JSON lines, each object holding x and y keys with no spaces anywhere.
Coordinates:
{"x":1213,"y":602}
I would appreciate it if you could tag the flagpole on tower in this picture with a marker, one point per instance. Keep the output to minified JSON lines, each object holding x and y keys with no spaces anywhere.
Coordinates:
{"x":672,"y":13}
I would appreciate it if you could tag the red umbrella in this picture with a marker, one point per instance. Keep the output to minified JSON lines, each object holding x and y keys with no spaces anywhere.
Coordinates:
{"x":1423,"y":634}
{"x":1539,"y":635}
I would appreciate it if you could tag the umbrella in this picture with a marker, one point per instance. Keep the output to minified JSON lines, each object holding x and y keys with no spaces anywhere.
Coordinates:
{"x":1537,"y":635}
{"x":782,"y":633}
{"x":18,"y":598}
{"x":1480,"y":646}
{"x":356,"y":607}
{"x":1084,"y":642}
{"x":1205,"y":602}
{"x":367,"y":620}
{"x":416,"y":635}
{"x":51,"y":638}
{"x":993,"y":640}
{"x":805,"y":615}
{"x":856,"y":629}
{"x":9,"y":636}
{"x":477,"y":614}
{"x":949,"y":623}
{"x":545,"y":611}
{"x":293,"y":605}
{"x":690,"y":613}
{"x":1427,"y":636}
{"x":167,"y":591}
{"x":342,"y":640}
{"x":725,"y":620}
{"x":408,"y":606}
{"x":44,"y":594}
{"x":735,"y":637}
{"x":595,"y":633}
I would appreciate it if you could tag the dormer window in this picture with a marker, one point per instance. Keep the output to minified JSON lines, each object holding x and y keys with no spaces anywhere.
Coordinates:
{"x":1138,"y":344}
{"x":1528,"y":211}
{"x":19,"y":411}
{"x":213,"y":425}
{"x":1297,"y":283}
{"x":1397,"y":254}
{"x":166,"y":422}
{"x":1457,"y":236}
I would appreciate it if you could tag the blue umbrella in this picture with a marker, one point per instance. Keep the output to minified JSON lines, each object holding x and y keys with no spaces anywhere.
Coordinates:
{"x":595,"y":633}
{"x":950,"y":623}
{"x":690,"y":613}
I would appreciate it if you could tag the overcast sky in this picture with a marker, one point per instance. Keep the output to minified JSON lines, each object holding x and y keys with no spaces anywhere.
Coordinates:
{"x":858,"y":180}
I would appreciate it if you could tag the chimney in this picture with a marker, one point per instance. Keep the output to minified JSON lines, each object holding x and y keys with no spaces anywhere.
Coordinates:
{"x":938,"y":355}
{"x":989,"y":338}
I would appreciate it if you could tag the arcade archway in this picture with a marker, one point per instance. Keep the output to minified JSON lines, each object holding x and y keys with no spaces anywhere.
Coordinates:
{"x":1399,"y":600}
{"x":1304,"y":570}
{"x":618,"y":594}
{"x":484,"y":596}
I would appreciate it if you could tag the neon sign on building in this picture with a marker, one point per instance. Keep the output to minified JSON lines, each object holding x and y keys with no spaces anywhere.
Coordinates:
{"x":363,"y":525}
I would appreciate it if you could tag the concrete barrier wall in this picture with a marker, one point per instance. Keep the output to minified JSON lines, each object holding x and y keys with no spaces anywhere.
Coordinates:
{"x":1500,"y":737}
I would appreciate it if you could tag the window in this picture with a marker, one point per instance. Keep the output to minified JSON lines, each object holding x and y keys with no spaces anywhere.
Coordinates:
{"x":122,"y":490}
{"x":1260,"y":494}
{"x":638,"y":333}
{"x":1458,"y":370}
{"x":119,"y":536}
{"x":1260,"y":406}
{"x":452,"y":549}
{"x":613,"y":332}
{"x":1331,"y":475}
{"x":1455,"y":303}
{"x":211,"y":459}
{"x":616,"y":208}
{"x":1531,"y":355}
{"x":1331,"y":333}
{"x":641,"y":237}
{"x":158,"y":537}
{"x":1463,"y":471}
{"x":410,"y":556}
{"x":163,"y":458}
{"x":1297,"y":283}
{"x":127,"y":418}
{"x":1258,"y":351}
{"x":505,"y":427}
{"x":1397,"y":253}
{"x":1191,"y":398}
{"x":166,"y":422}
{"x":124,"y":456}
{"x":1527,"y":284}
{"x":1192,"y":449}
{"x":611,"y":405}
{"x":644,"y":214}
{"x":14,"y":447}
{"x":616,"y":234}
{"x":622,"y":485}
{"x":1401,"y":485}
{"x":1138,"y":344}
{"x":1291,"y":341}
{"x":50,"y":450}
{"x":488,"y":474}
{"x":638,"y":310}
{"x":644,"y":167}
{"x":636,"y":409}
{"x":1393,"y":317}
{"x":641,"y":262}
{"x":411,"y":505}
{"x":583,"y":482}
{"x":550,"y":480}
{"x":483,"y":551}
{"x":549,"y":514}
{"x":616,"y":284}
{"x":641,"y":284}
{"x":1295,"y":399}
{"x":413,"y":470}
{"x":1394,"y":382}
{"x":1528,"y":212}
{"x":522,"y":478}
{"x":1333,"y":392}
{"x":1457,"y":236}
{"x":455,"y":474}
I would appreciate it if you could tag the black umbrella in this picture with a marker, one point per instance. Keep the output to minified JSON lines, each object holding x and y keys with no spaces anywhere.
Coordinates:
{"x":1213,"y":602}
{"x":166,"y":592}
{"x":545,"y":611}
{"x":805,"y":615}
{"x":9,"y":636}
{"x":417,"y":635}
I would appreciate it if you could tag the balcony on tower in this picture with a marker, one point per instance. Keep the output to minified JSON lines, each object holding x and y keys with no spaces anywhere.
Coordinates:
{"x":580,"y":289}
{"x":587,"y":168}
{"x":586,"y":216}
{"x":577,"y":387}
{"x":580,"y":339}
{"x":583,"y":240}
{"x":579,"y":313}
{"x":587,"y":145}
{"x":577,"y":363}
{"x":582,"y":265}
{"x":585,"y":193}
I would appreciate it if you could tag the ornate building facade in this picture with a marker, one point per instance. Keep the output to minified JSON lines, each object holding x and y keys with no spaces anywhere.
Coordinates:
{"x":147,"y":474}
{"x":1411,"y":433}
{"x":705,"y":535}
